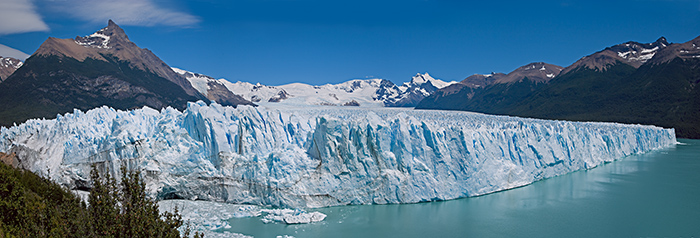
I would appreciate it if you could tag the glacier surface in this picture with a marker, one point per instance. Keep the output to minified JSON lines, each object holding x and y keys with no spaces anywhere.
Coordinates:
{"x":319,"y":156}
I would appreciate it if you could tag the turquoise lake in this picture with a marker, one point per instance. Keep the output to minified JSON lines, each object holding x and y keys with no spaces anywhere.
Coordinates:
{"x":651,"y":195}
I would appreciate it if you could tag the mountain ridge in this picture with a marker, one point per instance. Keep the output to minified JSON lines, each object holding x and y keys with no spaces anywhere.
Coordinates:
{"x":653,"y":83}
{"x":355,"y":92}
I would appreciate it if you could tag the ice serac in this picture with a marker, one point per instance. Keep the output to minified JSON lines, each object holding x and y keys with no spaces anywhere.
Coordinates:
{"x":320,"y":156}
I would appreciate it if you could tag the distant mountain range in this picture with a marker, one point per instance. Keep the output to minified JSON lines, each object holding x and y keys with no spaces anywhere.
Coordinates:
{"x":654,"y":83}
{"x":357,"y":92}
{"x":647,"y":83}
{"x":106,"y":68}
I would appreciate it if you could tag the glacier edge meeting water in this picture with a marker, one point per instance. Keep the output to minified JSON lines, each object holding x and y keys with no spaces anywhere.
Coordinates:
{"x":319,"y":156}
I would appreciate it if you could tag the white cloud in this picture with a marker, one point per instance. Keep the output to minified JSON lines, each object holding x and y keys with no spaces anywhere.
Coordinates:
{"x":19,"y":16}
{"x":6,"y":51}
{"x":126,"y":12}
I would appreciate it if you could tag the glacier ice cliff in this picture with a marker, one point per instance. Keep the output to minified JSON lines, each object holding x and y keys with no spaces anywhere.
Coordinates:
{"x":319,"y":156}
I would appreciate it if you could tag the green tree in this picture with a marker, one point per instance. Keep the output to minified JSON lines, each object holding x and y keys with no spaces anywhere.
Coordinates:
{"x":32,"y":206}
{"x":127,"y":211}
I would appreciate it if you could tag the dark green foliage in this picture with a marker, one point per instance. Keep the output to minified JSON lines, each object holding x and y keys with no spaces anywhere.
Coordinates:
{"x":577,"y":95}
{"x":31,"y":206}
{"x":665,"y":95}
{"x":49,"y":85}
{"x":103,"y":206}
{"x":127,"y":211}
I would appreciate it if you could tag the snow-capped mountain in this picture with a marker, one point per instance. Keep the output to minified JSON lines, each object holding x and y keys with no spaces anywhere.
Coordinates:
{"x":8,"y":65}
{"x":631,"y":53}
{"x":351,"y":93}
{"x":356,"y":92}
{"x":213,"y":89}
{"x":103,"y":68}
{"x":687,"y":50}
{"x":107,"y":44}
{"x":412,"y":92}
{"x":284,"y":156}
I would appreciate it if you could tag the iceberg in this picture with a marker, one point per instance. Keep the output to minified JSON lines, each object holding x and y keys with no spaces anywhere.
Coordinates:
{"x":210,"y":218}
{"x":308,"y":157}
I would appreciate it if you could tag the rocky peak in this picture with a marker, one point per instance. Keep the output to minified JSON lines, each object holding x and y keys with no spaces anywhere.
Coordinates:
{"x":481,"y":80}
{"x":8,"y":65}
{"x":687,"y":50}
{"x":112,"y":41}
{"x":105,"y":38}
{"x":661,"y":41}
{"x":632,"y":53}
{"x":536,"y":72}
{"x":421,"y":78}
{"x":426,"y":81}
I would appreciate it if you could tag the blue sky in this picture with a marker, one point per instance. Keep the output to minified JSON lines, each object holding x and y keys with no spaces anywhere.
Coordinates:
{"x":284,"y":41}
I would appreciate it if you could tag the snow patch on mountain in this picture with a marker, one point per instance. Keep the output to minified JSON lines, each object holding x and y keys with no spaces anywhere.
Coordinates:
{"x":198,"y":81}
{"x":319,"y":156}
{"x":8,"y":66}
{"x":420,"y":79}
{"x":95,"y":40}
{"x":10,"y":62}
{"x":638,"y":53}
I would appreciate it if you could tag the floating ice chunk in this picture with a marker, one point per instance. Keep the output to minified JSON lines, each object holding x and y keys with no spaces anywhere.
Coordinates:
{"x":290,"y":216}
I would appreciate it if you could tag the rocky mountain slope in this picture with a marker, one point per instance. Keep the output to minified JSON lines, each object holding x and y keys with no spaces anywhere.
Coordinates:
{"x":213,"y":89}
{"x":631,"y":53}
{"x":104,"y":68}
{"x":8,"y":65}
{"x":654,"y":83}
{"x":482,"y":91}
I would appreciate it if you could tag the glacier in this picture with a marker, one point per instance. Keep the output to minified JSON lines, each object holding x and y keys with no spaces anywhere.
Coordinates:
{"x":308,"y":157}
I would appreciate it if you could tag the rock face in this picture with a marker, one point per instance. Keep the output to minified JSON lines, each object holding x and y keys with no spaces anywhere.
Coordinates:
{"x":9,"y":159}
{"x":8,"y":66}
{"x":104,"y":68}
{"x":320,"y":156}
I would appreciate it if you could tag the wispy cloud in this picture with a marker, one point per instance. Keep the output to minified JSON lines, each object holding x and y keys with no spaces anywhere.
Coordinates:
{"x":19,"y":16}
{"x":127,"y":12}
{"x":7,"y":51}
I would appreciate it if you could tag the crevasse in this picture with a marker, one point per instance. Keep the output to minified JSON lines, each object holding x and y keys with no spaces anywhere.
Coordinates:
{"x":319,"y":156}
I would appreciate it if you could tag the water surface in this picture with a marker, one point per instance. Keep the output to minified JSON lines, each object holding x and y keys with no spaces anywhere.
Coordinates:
{"x":651,"y":195}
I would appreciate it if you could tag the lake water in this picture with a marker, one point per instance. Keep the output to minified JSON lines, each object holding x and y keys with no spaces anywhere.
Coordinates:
{"x":652,"y":195}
